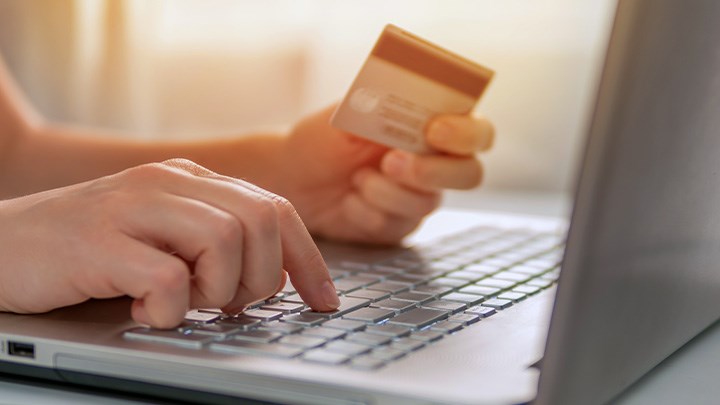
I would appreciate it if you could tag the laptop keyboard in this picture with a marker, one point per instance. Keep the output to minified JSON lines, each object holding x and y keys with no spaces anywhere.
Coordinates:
{"x":389,"y":309}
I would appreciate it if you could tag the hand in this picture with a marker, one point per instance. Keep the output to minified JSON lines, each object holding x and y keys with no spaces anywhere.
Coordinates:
{"x":348,"y":188}
{"x":173,"y":236}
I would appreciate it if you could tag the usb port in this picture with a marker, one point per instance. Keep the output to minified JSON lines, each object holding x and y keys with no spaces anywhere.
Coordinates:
{"x":21,"y":349}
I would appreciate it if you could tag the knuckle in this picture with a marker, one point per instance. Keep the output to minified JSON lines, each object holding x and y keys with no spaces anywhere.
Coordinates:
{"x":171,"y":276}
{"x":228,"y":229}
{"x":474,"y":175}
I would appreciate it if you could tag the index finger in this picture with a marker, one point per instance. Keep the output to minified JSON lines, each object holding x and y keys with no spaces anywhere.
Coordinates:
{"x":460,"y":134}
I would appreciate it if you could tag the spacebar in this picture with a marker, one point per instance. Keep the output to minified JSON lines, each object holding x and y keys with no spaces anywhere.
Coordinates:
{"x":418,"y":317}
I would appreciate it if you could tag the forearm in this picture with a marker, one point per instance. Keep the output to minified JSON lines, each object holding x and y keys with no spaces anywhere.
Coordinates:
{"x":50,"y":156}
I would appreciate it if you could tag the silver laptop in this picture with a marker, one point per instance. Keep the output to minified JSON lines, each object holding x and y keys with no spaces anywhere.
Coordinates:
{"x":469,"y":318}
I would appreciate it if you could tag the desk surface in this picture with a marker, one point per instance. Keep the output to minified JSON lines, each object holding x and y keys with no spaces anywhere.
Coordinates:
{"x":688,"y":376}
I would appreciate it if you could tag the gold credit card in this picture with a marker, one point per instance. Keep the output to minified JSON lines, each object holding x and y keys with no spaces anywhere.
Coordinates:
{"x":404,"y":82}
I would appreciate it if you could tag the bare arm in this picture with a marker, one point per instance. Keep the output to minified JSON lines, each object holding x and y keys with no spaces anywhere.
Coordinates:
{"x":36,"y":155}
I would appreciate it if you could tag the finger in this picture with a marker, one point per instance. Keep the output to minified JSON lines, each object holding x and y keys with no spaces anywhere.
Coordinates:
{"x":432,"y":172}
{"x":460,"y":134}
{"x":389,"y":196}
{"x":201,"y":234}
{"x":370,"y":225}
{"x":159,"y":282}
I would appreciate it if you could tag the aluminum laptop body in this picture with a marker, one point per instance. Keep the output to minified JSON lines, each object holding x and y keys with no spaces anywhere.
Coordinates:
{"x":639,"y":278}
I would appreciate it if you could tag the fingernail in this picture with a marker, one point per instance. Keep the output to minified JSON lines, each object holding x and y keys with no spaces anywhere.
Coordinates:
{"x":439,"y":132}
{"x":396,"y":162}
{"x":330,"y":295}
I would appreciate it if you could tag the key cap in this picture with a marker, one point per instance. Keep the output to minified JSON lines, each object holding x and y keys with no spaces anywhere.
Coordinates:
{"x":371,"y":295}
{"x":284,"y":307}
{"x":371,"y":315}
{"x":295,"y":299}
{"x":497,"y":303}
{"x":433,"y":289}
{"x":275,"y":298}
{"x":508,"y":275}
{"x":174,"y":337}
{"x":200,"y":316}
{"x":447,"y":327}
{"x":351,"y":283}
{"x":480,"y":290}
{"x":468,"y":299}
{"x":418,"y":318}
{"x":526,"y":289}
{"x":427,"y":335}
{"x":345,"y":324}
{"x":469,"y":276}
{"x":407,"y":344}
{"x":524,"y":269}
{"x":394,"y":331}
{"x":497,"y":283}
{"x":465,"y":319}
{"x":480,"y":268}
{"x":307,"y":342}
{"x":512,"y":296}
{"x":414,"y":297}
{"x":347,"y":304}
{"x":368,"y":339}
{"x":449,"y":306}
{"x":258,"y":336}
{"x":304,"y":318}
{"x":281,"y":327}
{"x":481,"y":311}
{"x":395,"y":305}
{"x":448,"y":282}
{"x":538,"y":282}
{"x":409,"y":279}
{"x":354,"y":266}
{"x":387,"y":353}
{"x":218,"y":330}
{"x":324,"y":332}
{"x":366,"y":363}
{"x":349,"y":348}
{"x":388,"y":268}
{"x":390,"y":287}
{"x":336,"y":273}
{"x":240,"y":321}
{"x":254,"y":348}
{"x":326,"y":357}
{"x":262,"y":314}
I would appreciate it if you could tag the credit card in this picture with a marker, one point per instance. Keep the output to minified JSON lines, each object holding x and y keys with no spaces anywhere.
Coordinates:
{"x":404,"y":82}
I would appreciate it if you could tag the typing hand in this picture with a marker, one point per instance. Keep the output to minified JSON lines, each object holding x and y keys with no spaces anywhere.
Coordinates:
{"x":173,"y":236}
{"x":351,"y":189}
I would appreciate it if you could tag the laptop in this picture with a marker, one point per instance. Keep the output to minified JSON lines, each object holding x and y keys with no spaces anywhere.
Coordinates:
{"x":499,"y":309}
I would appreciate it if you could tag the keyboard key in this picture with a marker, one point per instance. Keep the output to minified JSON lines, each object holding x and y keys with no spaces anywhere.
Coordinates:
{"x":409,"y":279}
{"x":480,"y":290}
{"x":345,"y":285}
{"x":469,"y":299}
{"x":395,"y":305}
{"x":371,"y":295}
{"x":349,"y":348}
{"x":368,"y":339}
{"x":448,"y":282}
{"x":392,"y":288}
{"x":497,"y":303}
{"x":447,"y":327}
{"x":344,"y":324}
{"x":388,"y":268}
{"x":240,"y":321}
{"x":281,"y":327}
{"x":481,"y":311}
{"x":337,"y":273}
{"x":387,"y":353}
{"x":480,"y":268}
{"x":526,"y":289}
{"x":258,"y":336}
{"x":512,"y":296}
{"x":275,"y":298}
{"x":427,"y":335}
{"x":418,"y":318}
{"x":326,"y":357}
{"x":509,"y":275}
{"x":307,"y":342}
{"x":284,"y":307}
{"x":254,"y":348}
{"x":371,"y":315}
{"x":347,"y":304}
{"x":469,"y":276}
{"x":366,"y":363}
{"x":304,"y":318}
{"x":538,"y":282}
{"x":524,"y":269}
{"x":296,"y":299}
{"x":433,"y":289}
{"x":354,"y":266}
{"x":394,"y":331}
{"x":324,"y":332}
{"x":465,"y":319}
{"x":448,"y":306}
{"x":201,"y":316}
{"x":407,"y":344}
{"x":414,"y":296}
{"x":263,"y":314}
{"x":173,"y":337}
{"x":218,"y":330}
{"x":497,"y":283}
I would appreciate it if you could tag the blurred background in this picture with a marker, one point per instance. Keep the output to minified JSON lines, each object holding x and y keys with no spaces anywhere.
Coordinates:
{"x":187,"y":69}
